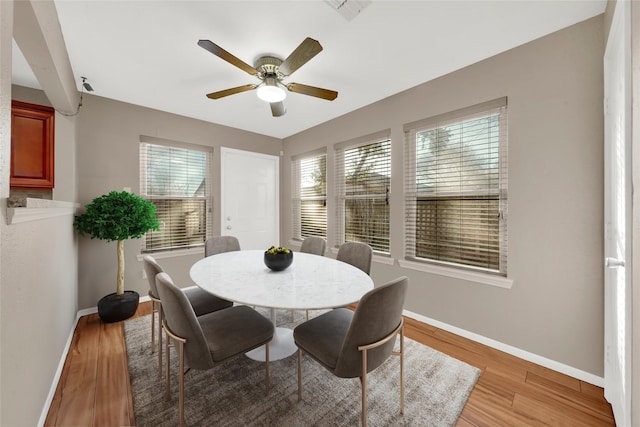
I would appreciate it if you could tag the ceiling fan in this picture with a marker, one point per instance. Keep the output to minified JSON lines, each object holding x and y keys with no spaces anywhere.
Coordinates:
{"x":271,"y":71}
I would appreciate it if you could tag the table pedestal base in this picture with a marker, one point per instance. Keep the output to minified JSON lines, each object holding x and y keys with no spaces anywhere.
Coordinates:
{"x":281,"y":346}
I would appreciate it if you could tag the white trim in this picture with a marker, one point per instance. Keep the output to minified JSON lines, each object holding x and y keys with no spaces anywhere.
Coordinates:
{"x":87,"y":311}
{"x":39,"y":209}
{"x":380,"y":259}
{"x":459,"y":273}
{"x":172,"y":254}
{"x":522,"y":354}
{"x":20,"y":215}
{"x":383,"y":259}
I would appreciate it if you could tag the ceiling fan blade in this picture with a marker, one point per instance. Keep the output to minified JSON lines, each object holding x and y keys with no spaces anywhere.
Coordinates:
{"x":318,"y":92}
{"x":223,"y":54}
{"x":231,"y":91}
{"x":277,"y":109}
{"x":300,"y":56}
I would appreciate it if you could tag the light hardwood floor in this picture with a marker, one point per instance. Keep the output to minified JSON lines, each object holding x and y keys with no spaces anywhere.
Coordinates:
{"x":94,"y":387}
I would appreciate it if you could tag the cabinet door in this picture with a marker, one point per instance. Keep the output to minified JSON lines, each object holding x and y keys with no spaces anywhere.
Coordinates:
{"x":32,"y":144}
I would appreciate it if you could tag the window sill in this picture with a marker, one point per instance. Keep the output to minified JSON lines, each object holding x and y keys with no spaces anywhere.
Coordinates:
{"x":39,"y":209}
{"x":472,"y":276}
{"x":173,"y":254}
{"x":380,"y":259}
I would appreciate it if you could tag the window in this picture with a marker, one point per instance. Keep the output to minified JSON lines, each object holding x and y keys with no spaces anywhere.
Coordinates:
{"x":456,"y":188}
{"x":174,"y":177}
{"x":309,"y":190}
{"x":363,"y":175}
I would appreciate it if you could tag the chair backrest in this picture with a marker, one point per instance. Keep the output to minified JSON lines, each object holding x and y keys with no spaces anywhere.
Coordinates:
{"x":220,"y":244}
{"x":357,"y":254}
{"x":377,"y":314}
{"x":182,"y":321}
{"x":151,"y":269}
{"x":314,"y":245}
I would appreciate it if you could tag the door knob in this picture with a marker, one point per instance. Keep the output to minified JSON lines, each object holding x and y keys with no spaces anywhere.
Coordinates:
{"x":613,"y":262}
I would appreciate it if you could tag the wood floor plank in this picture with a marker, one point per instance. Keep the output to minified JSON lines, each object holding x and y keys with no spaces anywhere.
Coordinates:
{"x":573,"y":399}
{"x":556,"y":377}
{"x":494,"y":389}
{"x":550,"y":413}
{"x":481,"y":412}
{"x":78,"y":384}
{"x":112,"y":383}
{"x":592,"y":391}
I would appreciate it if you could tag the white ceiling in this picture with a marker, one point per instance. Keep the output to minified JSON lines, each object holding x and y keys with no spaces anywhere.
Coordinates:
{"x":145,"y":52}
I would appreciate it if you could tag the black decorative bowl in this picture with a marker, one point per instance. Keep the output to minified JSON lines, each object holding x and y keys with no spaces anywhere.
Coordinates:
{"x":278,"y":262}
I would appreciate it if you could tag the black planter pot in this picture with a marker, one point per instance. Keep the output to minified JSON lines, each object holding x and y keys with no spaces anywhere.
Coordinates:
{"x":114,"y":307}
{"x":278,"y":262}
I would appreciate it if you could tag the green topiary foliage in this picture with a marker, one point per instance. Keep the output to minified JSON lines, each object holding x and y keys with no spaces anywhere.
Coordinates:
{"x":117,"y":216}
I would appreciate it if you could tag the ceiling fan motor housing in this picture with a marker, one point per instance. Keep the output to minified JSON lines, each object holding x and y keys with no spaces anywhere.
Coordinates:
{"x":268,"y":66}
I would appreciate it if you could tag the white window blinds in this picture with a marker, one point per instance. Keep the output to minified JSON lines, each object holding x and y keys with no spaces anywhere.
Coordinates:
{"x":175,"y":178}
{"x":363,"y":175}
{"x":456,"y":188}
{"x":309,"y":194}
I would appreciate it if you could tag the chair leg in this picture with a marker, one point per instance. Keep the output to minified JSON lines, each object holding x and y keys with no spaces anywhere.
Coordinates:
{"x":402,"y":370}
{"x":181,"y":383}
{"x":160,"y":319}
{"x":153,"y":326}
{"x":363,"y":381}
{"x":299,"y":375}
{"x":266,"y":362}
{"x":167,"y":384}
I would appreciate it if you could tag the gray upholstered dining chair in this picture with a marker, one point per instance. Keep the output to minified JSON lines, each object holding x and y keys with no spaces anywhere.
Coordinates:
{"x":202,"y":342}
{"x":201,"y":301}
{"x":220,"y":244}
{"x":357,"y":254}
{"x":314,"y":245}
{"x":352,"y":343}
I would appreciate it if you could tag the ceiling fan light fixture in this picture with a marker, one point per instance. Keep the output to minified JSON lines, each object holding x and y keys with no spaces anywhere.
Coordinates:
{"x":270,"y":91}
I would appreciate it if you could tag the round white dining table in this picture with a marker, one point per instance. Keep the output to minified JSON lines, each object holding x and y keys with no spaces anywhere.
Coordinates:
{"x":311,"y":282}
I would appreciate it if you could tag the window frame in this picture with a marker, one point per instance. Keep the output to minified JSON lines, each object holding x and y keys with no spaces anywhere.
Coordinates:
{"x":207,"y":198}
{"x":454,"y":269}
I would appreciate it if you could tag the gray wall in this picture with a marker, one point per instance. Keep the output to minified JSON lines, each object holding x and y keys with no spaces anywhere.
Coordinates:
{"x":554,"y":87}
{"x":39,"y":288}
{"x":107,"y":159}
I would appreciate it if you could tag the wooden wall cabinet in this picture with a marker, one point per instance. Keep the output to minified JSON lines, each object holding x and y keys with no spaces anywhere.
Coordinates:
{"x":32,"y":146}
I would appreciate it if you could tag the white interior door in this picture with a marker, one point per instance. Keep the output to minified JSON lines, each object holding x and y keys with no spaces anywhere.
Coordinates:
{"x":250,"y":198}
{"x":617,"y":106}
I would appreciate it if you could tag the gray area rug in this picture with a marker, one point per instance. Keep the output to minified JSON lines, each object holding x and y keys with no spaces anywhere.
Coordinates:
{"x":233,"y":393}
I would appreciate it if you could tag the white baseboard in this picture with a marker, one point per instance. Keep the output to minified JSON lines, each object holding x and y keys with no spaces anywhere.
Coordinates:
{"x":63,"y":358}
{"x":522,"y":354}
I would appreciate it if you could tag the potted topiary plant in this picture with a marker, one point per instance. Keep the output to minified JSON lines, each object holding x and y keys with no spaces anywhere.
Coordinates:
{"x":117,"y":216}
